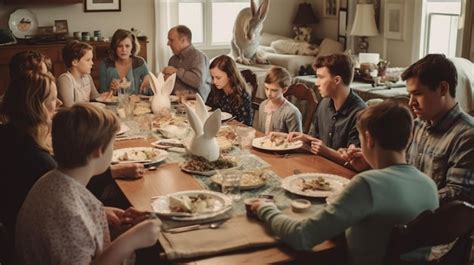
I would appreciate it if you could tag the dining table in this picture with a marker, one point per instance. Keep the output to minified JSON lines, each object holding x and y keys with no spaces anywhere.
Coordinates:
{"x":167,"y":178}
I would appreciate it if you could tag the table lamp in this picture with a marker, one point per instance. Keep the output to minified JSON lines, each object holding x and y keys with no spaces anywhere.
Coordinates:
{"x":304,"y":17}
{"x":364,"y":25}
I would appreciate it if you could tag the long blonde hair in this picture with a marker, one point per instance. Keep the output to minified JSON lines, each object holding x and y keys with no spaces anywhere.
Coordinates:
{"x":24,"y":106}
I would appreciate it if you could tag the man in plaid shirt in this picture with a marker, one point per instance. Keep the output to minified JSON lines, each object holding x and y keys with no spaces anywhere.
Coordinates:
{"x":443,"y":135}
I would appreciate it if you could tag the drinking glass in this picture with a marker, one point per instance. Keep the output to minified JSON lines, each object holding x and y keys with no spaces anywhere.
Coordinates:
{"x":245,"y":136}
{"x":231,"y":184}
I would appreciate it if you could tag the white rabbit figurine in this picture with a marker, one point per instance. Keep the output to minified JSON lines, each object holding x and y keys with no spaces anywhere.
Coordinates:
{"x":205,"y":126}
{"x":161,"y":91}
{"x":246,"y":36}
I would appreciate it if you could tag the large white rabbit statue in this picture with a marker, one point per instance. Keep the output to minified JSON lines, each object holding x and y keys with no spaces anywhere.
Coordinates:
{"x":246,"y":36}
{"x":161,"y":91}
{"x":205,"y":126}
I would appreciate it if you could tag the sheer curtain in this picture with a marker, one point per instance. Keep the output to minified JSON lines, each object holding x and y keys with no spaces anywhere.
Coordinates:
{"x":166,"y":16}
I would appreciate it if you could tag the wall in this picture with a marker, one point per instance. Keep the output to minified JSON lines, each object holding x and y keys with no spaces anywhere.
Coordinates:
{"x":140,"y":16}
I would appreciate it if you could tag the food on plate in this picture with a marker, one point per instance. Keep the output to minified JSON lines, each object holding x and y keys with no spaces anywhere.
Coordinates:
{"x":138,"y":155}
{"x":107,"y":97}
{"x":200,"y":164}
{"x":315,"y":184}
{"x":191,"y":204}
{"x":228,"y":132}
{"x":250,"y":178}
{"x":224,"y":144}
{"x":276,"y":142}
{"x":141,"y":108}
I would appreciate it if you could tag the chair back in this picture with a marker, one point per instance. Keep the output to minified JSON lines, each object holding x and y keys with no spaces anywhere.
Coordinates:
{"x":251,"y":78}
{"x":305,"y":100}
{"x":451,"y":221}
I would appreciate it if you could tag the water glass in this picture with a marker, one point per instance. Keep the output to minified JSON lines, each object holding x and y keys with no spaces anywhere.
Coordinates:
{"x":245,"y":136}
{"x":231,"y":184}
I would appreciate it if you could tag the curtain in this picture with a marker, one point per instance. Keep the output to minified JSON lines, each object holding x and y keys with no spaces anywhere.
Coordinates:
{"x":166,"y":17}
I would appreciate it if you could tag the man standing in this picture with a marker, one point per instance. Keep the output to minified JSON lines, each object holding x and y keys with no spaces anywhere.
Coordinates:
{"x":190,"y":64}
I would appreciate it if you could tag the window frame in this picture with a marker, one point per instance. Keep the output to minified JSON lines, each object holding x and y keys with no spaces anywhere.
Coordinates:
{"x":429,"y":17}
{"x":207,"y":23}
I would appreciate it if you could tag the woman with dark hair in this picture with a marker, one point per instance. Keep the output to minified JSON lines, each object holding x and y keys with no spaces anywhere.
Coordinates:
{"x":123,"y":68}
{"x":228,"y":90}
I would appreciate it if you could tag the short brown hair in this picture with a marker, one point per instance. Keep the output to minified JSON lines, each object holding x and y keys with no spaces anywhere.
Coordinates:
{"x":118,"y":37}
{"x":184,"y":31}
{"x":25,"y":61}
{"x":74,"y":50}
{"x":338,"y":64}
{"x":431,"y":70}
{"x":390,"y":123}
{"x":279,"y":75}
{"x":79,"y":130}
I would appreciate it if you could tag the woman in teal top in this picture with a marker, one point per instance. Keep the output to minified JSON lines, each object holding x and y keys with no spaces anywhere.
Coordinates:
{"x":373,"y":201}
{"x":123,"y":68}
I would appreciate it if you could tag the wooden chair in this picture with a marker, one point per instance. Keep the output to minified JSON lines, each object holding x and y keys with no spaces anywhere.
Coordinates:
{"x":251,"y":78}
{"x":454,"y":220}
{"x":305,"y":101}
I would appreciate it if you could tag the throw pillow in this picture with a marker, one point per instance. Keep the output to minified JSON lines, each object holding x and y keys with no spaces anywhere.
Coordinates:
{"x":294,"y":47}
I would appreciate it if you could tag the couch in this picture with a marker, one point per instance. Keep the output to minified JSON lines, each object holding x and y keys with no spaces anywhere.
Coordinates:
{"x":272,"y":49}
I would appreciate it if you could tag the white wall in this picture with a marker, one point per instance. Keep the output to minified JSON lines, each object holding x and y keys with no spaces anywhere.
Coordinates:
{"x":137,"y":14}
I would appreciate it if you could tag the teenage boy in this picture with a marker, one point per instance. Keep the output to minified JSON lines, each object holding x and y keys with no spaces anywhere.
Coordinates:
{"x":335,"y":119}
{"x":443,"y":135}
{"x":60,"y":221}
{"x":374,"y":201}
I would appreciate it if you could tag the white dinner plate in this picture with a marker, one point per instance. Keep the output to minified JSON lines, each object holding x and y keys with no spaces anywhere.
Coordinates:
{"x":225,"y":116}
{"x":209,"y":172}
{"x":294,"y":184}
{"x":260,"y":143}
{"x":250,"y":179}
{"x":139,"y":155}
{"x":110,"y":101}
{"x":218,"y":204}
{"x":23,"y":22}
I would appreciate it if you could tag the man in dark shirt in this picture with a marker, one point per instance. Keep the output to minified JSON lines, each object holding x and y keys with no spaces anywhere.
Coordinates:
{"x":334,"y":124}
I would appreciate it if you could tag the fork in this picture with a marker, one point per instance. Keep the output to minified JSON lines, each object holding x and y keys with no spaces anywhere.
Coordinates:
{"x":212,"y":225}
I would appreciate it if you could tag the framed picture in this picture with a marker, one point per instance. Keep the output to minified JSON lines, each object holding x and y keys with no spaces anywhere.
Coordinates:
{"x":61,"y":26}
{"x":342,"y":22}
{"x":102,"y":5}
{"x":45,"y":30}
{"x":394,"y":21}
{"x":331,"y":8}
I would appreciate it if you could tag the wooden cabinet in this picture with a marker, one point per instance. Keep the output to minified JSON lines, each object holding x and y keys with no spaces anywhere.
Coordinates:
{"x":54,"y":51}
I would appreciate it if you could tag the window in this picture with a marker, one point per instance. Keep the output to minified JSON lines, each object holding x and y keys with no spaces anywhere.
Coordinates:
{"x":211,"y":21}
{"x":441,"y":27}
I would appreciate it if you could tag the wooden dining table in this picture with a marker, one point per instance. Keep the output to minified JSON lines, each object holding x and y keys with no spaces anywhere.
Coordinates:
{"x":168,"y":178}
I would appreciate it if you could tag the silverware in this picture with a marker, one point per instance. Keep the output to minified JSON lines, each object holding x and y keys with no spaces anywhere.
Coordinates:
{"x":213,"y":225}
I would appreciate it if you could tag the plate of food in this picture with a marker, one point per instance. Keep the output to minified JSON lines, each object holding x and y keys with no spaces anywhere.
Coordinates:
{"x":225,"y":116}
{"x":228,"y":132}
{"x":276,"y":143}
{"x":200,"y":166}
{"x":146,"y":155}
{"x":318,"y":185}
{"x":107,"y":98}
{"x":23,"y":23}
{"x":250,"y":179}
{"x":191,"y":205}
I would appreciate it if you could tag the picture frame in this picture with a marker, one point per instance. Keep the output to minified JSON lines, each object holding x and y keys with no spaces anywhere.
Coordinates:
{"x":45,"y":30}
{"x":61,"y":26}
{"x":330,"y":8}
{"x":342,"y":22}
{"x":394,"y":21}
{"x":102,"y":6}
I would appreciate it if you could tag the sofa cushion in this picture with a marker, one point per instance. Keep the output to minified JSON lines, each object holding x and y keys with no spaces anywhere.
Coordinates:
{"x":294,"y":47}
{"x":266,"y":38}
{"x":330,"y":46}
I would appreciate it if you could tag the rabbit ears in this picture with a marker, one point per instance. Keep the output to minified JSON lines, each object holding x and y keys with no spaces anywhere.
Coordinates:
{"x":262,"y":9}
{"x":198,"y":116}
{"x":160,"y":86}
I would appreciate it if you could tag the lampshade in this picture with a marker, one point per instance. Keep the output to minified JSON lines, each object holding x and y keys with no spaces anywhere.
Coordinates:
{"x":364,"y":22}
{"x":305,"y":15}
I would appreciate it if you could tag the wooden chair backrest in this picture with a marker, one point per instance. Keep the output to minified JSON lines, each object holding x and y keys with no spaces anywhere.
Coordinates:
{"x":302,"y":93}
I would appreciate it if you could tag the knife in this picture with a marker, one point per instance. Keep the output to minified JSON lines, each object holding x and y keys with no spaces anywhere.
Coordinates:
{"x":212,"y":225}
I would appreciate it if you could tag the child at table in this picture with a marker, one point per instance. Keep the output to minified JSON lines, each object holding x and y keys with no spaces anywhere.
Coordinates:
{"x":60,"y":221}
{"x":276,"y":113}
{"x":77,"y":85}
{"x":335,"y":117}
{"x":373,"y":201}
